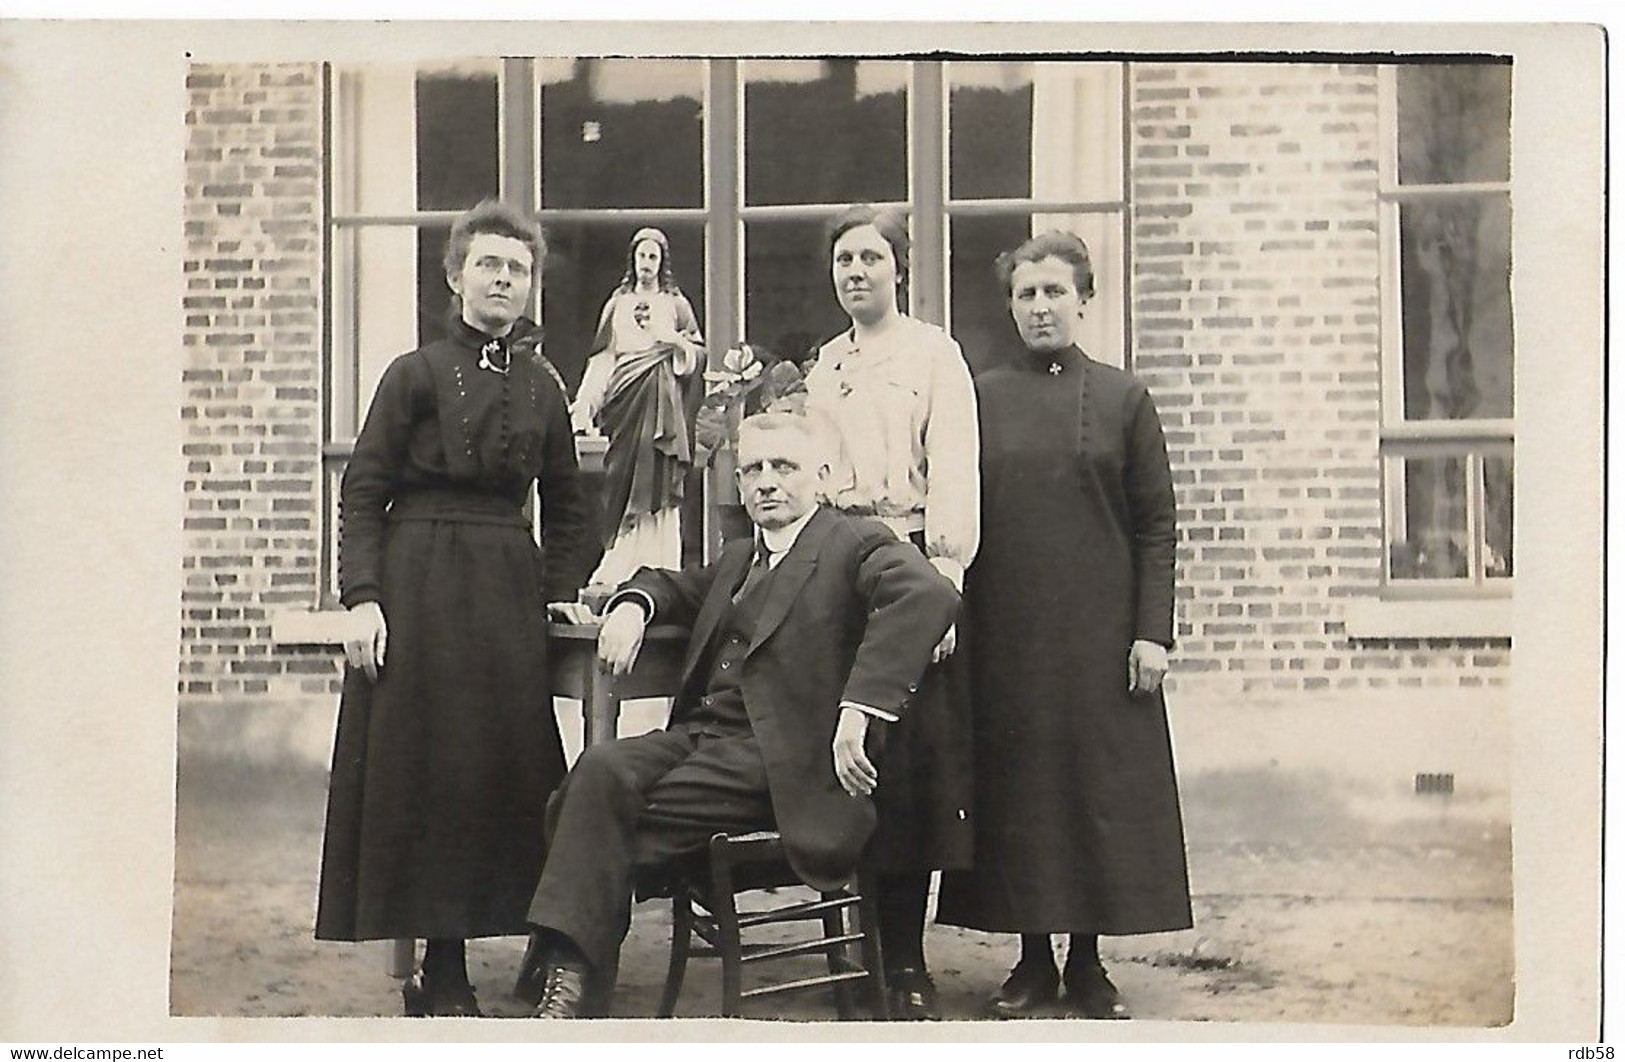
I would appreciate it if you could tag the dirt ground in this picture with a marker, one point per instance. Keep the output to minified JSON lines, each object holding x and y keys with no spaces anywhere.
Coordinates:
{"x":1316,"y":916}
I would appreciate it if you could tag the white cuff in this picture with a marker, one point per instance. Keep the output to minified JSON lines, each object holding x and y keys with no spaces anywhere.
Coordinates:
{"x":641,"y":597}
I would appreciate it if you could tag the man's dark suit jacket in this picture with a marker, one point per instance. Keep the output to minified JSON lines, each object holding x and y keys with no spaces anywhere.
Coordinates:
{"x":851,"y":614}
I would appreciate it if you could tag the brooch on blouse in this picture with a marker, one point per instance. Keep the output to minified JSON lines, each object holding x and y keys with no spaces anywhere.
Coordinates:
{"x":1055,"y":368}
{"x":843,"y":385}
{"x":495,"y":347}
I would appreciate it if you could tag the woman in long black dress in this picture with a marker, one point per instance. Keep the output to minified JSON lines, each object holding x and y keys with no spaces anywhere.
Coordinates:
{"x":447,"y":747}
{"x":1071,"y":597}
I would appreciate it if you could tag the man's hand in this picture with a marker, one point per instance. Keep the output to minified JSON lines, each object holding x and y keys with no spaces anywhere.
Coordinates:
{"x":852,"y":767}
{"x":621,"y":637}
{"x":945,"y":648}
{"x":1147,"y":664}
{"x":365,"y":646}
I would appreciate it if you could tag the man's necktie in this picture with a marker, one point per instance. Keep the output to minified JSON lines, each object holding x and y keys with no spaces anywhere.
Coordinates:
{"x":759,"y":567}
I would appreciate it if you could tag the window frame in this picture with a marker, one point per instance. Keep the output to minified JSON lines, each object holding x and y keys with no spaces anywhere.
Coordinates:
{"x":723,"y":211}
{"x":950,"y":208}
{"x":1472,"y":440}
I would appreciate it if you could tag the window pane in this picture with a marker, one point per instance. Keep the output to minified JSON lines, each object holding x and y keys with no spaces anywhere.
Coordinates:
{"x":375,"y":139}
{"x":790,"y":301}
{"x":1042,"y":130}
{"x":1430,"y":539}
{"x":434,"y":295}
{"x":979,"y":312}
{"x":585,"y":263}
{"x":1498,"y":517}
{"x":990,"y":122}
{"x":1455,"y":269}
{"x":456,"y":135}
{"x":1455,"y":123}
{"x":825,"y":131}
{"x":622,"y":132}
{"x":384,"y":309}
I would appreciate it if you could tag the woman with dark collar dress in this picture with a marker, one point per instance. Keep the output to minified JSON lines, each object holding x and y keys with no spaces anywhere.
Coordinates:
{"x":447,"y":747}
{"x":898,"y":398}
{"x":1072,"y":601}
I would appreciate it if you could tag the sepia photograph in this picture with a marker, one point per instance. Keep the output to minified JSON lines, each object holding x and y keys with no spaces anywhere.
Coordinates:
{"x":1023,"y":534}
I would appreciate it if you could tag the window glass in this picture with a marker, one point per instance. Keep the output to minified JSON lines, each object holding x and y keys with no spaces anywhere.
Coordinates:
{"x":825,"y":131}
{"x":1455,"y":123}
{"x":375,"y":136}
{"x":1498,"y":516}
{"x":790,"y":304}
{"x":387,"y":316}
{"x":979,"y":312}
{"x":1430,"y":541}
{"x":995,"y":111}
{"x":622,"y":132}
{"x":434,"y":294}
{"x":990,"y":122}
{"x":456,"y":135}
{"x":1455,"y":269}
{"x":585,"y":263}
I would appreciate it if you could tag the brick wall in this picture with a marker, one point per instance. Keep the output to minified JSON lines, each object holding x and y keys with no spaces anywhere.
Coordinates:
{"x":1256,"y":324}
{"x":253,"y":379}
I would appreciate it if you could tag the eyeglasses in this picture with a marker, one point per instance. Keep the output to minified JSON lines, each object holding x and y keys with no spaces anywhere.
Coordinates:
{"x":493,"y":265}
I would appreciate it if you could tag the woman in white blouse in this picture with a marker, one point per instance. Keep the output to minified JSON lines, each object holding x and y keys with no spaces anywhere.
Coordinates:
{"x":897,"y":396}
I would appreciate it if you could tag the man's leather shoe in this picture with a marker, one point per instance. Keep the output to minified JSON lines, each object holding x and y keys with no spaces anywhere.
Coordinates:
{"x":911,"y":995}
{"x":564,"y":992}
{"x":423,"y":997}
{"x":1030,"y":988}
{"x":1091,"y":994}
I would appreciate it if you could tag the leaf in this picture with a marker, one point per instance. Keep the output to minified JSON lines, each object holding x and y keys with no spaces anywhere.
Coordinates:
{"x":711,"y":428}
{"x":783,"y":379}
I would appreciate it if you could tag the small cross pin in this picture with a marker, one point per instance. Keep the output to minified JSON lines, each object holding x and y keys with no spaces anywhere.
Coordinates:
{"x":1055,"y":368}
{"x":486,"y":352}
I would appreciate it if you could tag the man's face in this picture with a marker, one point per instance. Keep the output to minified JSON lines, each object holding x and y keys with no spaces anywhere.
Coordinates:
{"x":780,"y":473}
{"x":494,"y":281}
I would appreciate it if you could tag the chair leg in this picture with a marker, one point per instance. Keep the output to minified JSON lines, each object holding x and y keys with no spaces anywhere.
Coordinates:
{"x":727,"y":915}
{"x":869,"y":917}
{"x":835,"y":954}
{"x":682,"y":932}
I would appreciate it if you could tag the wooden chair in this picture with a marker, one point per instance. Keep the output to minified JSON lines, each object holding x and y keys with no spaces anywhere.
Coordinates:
{"x":703,"y":889}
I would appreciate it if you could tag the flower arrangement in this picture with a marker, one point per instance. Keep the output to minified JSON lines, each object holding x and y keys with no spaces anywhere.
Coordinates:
{"x":746,"y":383}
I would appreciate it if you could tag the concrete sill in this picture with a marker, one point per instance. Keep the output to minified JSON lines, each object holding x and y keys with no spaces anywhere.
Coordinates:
{"x":1458,"y":618}
{"x":311,"y":626}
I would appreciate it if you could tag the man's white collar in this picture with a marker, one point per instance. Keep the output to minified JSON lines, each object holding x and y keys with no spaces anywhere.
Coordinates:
{"x":779,"y":540}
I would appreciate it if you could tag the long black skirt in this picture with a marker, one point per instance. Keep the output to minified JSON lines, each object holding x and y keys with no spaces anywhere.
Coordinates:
{"x":924,"y":800}
{"x":443,"y":767}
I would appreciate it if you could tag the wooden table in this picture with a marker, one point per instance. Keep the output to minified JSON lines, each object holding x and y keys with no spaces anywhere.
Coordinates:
{"x":577,"y":674}
{"x":572,"y":657}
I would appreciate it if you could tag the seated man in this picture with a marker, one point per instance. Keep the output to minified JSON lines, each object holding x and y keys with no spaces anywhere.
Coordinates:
{"x":798,"y":641}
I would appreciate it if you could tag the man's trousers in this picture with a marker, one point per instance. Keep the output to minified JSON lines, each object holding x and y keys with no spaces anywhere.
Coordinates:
{"x":636,"y":802}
